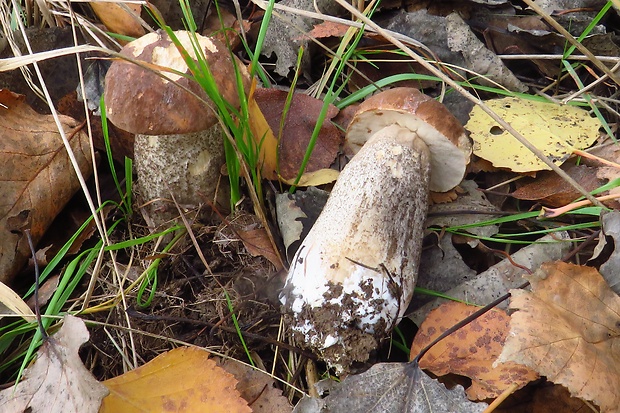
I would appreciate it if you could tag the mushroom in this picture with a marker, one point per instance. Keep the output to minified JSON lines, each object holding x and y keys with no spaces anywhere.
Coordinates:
{"x":179,"y":145}
{"x":354,"y":274}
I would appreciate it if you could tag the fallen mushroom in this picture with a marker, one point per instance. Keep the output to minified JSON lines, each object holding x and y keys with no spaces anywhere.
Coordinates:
{"x":354,"y":274}
{"x":179,"y":144}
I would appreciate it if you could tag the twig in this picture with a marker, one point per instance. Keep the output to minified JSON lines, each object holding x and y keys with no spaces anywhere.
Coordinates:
{"x":37,"y":307}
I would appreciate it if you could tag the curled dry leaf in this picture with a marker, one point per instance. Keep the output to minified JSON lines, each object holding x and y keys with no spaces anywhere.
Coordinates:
{"x":568,"y":329}
{"x":183,"y":379}
{"x":471,"y":350}
{"x":36,"y":174}
{"x":119,"y":19}
{"x":57,"y":381}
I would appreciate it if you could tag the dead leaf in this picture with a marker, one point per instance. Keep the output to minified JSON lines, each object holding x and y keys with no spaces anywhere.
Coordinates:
{"x":554,"y":399}
{"x":257,"y":388}
{"x":610,"y":269}
{"x":552,"y":191}
{"x":568,"y":329}
{"x":393,"y":387}
{"x":183,"y":379}
{"x":57,"y":381}
{"x":263,"y":136}
{"x":471,"y":350}
{"x":257,"y":242}
{"x":119,"y":20}
{"x":36,"y":174}
{"x":328,"y":29}
{"x":554,"y":129}
{"x":14,"y":304}
{"x":297,"y":129}
{"x":478,"y":58}
{"x":46,"y":291}
{"x":296,"y":214}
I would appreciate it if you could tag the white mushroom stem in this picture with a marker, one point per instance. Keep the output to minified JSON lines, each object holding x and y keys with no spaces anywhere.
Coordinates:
{"x":355,"y":272}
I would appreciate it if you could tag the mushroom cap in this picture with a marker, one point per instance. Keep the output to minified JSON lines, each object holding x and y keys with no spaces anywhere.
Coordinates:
{"x":139,"y":101}
{"x":449,"y":146}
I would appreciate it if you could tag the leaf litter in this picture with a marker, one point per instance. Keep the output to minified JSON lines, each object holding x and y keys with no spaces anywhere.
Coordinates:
{"x":568,"y":329}
{"x":384,"y":372}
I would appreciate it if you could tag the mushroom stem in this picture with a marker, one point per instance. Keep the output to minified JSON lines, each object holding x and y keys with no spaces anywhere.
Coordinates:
{"x":188,"y":166}
{"x":355,"y":272}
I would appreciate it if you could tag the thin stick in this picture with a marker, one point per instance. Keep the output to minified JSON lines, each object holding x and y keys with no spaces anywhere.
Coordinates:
{"x":37,"y":306}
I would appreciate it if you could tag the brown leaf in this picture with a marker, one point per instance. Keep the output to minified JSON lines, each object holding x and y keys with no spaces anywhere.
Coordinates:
{"x":57,"y":381}
{"x":568,"y":329}
{"x":183,"y":379}
{"x":257,"y":388}
{"x":550,"y":190}
{"x":257,"y":242}
{"x":328,"y":29}
{"x":471,"y":350}
{"x":298,"y":126}
{"x":36,"y":174}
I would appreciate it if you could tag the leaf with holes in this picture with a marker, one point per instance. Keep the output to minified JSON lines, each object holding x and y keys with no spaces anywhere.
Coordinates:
{"x":554,"y":129}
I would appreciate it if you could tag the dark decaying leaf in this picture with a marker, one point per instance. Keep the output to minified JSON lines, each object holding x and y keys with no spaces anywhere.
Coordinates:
{"x":392,"y":387}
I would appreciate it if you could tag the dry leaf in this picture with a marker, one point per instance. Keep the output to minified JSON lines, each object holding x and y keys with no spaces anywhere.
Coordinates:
{"x":36,"y":174}
{"x":183,"y":379}
{"x":14,"y":303}
{"x":57,"y":381}
{"x":471,"y":350}
{"x":257,"y":388}
{"x":554,"y":129}
{"x":257,"y":242}
{"x":568,"y":329}
{"x":392,"y":387}
{"x":548,"y":189}
{"x":297,"y":130}
{"x":264,"y":137}
{"x":119,"y":20}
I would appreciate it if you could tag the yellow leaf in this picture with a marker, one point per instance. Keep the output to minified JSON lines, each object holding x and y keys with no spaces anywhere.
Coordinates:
{"x":183,"y":379}
{"x":316,"y":178}
{"x":554,"y":129}
{"x":264,"y":138}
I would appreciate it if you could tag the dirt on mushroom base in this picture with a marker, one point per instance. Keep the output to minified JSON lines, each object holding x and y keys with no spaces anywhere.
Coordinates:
{"x":354,"y":346}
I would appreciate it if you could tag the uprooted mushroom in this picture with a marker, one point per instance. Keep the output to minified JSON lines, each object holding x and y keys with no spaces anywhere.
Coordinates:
{"x":179,"y":146}
{"x":354,"y":274}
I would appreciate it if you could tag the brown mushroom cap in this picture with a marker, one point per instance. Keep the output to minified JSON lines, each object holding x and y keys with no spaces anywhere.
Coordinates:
{"x":139,"y":101}
{"x":445,"y":137}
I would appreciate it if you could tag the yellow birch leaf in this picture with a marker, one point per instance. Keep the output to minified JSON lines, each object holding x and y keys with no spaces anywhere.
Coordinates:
{"x":554,"y":129}
{"x":183,"y":379}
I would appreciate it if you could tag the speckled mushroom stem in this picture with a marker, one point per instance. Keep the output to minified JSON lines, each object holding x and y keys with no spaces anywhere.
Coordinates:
{"x":366,"y":244}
